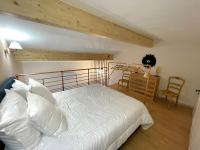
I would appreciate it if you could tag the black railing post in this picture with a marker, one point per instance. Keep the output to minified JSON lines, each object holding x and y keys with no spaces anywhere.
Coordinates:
{"x":43,"y":81}
{"x":63,"y":85}
{"x":88,"y":76}
{"x":106,"y":77}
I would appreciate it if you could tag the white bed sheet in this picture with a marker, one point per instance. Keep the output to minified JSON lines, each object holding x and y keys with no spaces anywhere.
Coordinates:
{"x":99,"y":118}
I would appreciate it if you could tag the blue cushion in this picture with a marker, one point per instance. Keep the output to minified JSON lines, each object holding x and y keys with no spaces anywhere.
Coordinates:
{"x":7,"y":84}
{"x":2,"y":146}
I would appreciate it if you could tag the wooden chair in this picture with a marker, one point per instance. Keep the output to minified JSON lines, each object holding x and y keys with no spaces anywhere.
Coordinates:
{"x":125,"y":79}
{"x":174,"y":87}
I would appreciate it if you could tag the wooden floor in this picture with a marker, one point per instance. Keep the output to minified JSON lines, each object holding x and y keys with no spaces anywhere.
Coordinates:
{"x":170,"y":130}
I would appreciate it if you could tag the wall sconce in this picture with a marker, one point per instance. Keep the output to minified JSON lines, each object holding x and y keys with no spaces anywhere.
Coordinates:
{"x":13,"y":47}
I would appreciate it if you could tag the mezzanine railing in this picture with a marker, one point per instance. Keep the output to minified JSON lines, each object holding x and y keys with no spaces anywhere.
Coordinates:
{"x":69,"y":79}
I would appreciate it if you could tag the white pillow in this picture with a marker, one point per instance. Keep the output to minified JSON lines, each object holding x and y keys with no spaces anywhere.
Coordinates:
{"x":20,"y":87}
{"x":45,"y":116}
{"x":15,"y":129}
{"x":39,"y":89}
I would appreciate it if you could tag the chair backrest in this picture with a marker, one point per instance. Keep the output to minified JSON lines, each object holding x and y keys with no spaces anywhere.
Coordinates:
{"x":175,"y":84}
{"x":126,"y":75}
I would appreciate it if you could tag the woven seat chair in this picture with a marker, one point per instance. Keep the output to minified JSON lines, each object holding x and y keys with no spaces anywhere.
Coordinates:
{"x":125,"y":79}
{"x":174,"y":88}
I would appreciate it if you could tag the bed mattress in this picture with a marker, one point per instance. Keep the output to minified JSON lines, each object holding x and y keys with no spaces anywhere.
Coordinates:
{"x":99,"y":118}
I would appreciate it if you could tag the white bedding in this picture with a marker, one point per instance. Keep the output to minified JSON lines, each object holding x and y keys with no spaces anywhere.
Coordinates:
{"x":99,"y":118}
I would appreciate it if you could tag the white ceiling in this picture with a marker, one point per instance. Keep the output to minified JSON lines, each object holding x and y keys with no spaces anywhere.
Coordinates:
{"x":39,"y":36}
{"x":164,"y":20}
{"x":169,"y":21}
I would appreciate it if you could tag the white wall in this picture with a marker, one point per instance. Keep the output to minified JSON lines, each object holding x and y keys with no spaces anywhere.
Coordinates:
{"x":8,"y":66}
{"x":45,"y":66}
{"x":174,"y":59}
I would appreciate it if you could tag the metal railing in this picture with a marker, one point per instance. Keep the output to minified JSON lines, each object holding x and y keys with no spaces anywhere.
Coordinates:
{"x":69,"y":79}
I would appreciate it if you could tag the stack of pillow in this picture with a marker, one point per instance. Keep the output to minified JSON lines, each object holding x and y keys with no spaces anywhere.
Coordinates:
{"x":27,"y":112}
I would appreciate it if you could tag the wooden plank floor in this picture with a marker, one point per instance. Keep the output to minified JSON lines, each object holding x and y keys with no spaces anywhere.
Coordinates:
{"x":170,"y":130}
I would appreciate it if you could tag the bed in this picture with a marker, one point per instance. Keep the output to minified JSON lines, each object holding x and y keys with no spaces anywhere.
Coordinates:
{"x":99,"y":118}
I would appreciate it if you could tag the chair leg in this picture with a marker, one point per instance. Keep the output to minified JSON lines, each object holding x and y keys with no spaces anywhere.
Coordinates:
{"x":168,"y":101}
{"x":176,"y":101}
{"x":166,"y":98}
{"x":127,"y":86}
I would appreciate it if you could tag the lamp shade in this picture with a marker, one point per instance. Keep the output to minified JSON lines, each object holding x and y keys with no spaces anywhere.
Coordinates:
{"x":15,"y":45}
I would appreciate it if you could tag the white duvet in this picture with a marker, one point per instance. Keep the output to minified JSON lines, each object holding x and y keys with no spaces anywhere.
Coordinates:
{"x":99,"y":118}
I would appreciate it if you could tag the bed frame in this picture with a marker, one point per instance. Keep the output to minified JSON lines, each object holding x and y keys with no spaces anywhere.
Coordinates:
{"x":68,"y":79}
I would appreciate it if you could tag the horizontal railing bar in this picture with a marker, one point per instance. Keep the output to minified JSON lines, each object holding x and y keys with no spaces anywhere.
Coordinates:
{"x":53,"y":81}
{"x":81,"y":73}
{"x":69,"y":75}
{"x":49,"y":78}
{"x":76,"y":78}
{"x":82,"y":77}
{"x":61,"y":76}
{"x":70,"y":82}
{"x":97,"y":79}
{"x":97,"y":72}
{"x":70,"y":79}
{"x":74,"y":81}
{"x":82,"y":80}
{"x":75,"y":85}
{"x":61,"y":80}
{"x":61,"y":71}
{"x":91,"y":73}
{"x":53,"y":85}
{"x":75,"y":75}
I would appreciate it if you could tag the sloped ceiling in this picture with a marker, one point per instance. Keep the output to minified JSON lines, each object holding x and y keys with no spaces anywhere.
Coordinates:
{"x":164,"y":20}
{"x":40,"y":36}
{"x":171,"y":21}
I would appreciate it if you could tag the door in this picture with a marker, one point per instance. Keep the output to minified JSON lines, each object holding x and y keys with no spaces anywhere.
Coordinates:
{"x":195,"y":129}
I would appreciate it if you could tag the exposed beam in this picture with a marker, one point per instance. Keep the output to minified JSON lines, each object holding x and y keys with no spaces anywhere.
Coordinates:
{"x":44,"y":55}
{"x":58,"y":13}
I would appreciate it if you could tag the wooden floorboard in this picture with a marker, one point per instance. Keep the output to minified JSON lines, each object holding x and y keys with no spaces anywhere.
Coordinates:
{"x":170,"y":130}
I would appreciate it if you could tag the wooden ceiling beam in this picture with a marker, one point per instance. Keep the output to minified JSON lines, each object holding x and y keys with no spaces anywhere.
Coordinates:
{"x":44,"y":55}
{"x":58,"y":13}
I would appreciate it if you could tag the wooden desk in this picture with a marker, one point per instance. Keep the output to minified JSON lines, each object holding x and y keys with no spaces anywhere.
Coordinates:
{"x":145,"y":88}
